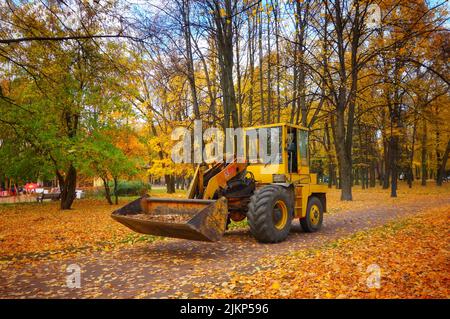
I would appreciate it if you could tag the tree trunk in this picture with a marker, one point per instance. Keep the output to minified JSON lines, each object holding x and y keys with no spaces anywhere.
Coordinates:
{"x":393,"y":150}
{"x":378,"y":172}
{"x":367,"y":177}
{"x":330,"y":174}
{"x":345,"y":175}
{"x":301,"y":84}
{"x":116,"y":196}
{"x":386,"y":166}
{"x":437,"y":145}
{"x":107,"y":190}
{"x":261,"y":81}
{"x":364,"y":178}
{"x":239,"y":84}
{"x":443,"y":165}
{"x":372,"y":180}
{"x":344,"y":156}
{"x":251,"y":57}
{"x":356,"y":177}
{"x":68,"y":187}
{"x":331,"y":168}
{"x":170,"y":183}
{"x":424,"y":154}
{"x":345,"y":95}
{"x":269,"y":73}
{"x":411,"y":156}
{"x":190,"y":62}
{"x":212,"y":117}
{"x":224,"y":38}
{"x":277,"y":48}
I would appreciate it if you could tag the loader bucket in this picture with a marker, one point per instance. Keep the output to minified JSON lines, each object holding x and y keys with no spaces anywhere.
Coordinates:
{"x":195,"y":219}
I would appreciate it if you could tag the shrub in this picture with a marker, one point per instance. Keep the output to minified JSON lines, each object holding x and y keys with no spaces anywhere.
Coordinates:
{"x":130,"y":188}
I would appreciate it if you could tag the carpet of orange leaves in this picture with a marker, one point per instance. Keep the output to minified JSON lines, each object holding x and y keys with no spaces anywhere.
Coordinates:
{"x":373,"y":197}
{"x":412,"y":256}
{"x":32,"y":228}
{"x":27,"y":228}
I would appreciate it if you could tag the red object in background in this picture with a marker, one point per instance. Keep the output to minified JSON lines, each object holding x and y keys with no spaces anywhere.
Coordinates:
{"x":31,"y":186}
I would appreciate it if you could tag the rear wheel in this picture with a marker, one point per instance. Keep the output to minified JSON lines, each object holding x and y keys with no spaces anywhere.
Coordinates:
{"x":314,"y":216}
{"x":270,"y":214}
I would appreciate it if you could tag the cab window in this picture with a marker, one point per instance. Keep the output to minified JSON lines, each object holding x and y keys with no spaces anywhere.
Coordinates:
{"x":303,"y":147}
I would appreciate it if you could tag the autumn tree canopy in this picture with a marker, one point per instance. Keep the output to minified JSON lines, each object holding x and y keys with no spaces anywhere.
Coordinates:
{"x":96,"y":87}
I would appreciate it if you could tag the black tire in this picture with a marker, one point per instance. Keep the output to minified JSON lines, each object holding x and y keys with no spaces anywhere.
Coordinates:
{"x":268,"y":221}
{"x":312,"y":223}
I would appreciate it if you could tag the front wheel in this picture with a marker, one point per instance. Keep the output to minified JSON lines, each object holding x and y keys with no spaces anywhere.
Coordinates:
{"x":270,"y":214}
{"x":314,"y":216}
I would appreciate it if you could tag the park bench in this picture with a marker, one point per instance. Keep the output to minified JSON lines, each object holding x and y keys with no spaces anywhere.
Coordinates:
{"x":53,"y":196}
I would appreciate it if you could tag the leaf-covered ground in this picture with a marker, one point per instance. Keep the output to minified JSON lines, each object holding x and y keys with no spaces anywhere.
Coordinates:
{"x":32,"y":228}
{"x":412,"y":255}
{"x":403,"y":259}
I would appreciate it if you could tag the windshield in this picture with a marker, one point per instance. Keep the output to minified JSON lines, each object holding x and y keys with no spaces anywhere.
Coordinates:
{"x":263,"y":145}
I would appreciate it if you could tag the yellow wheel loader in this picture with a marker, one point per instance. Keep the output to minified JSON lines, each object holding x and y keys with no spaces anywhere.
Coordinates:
{"x":269,"y":194}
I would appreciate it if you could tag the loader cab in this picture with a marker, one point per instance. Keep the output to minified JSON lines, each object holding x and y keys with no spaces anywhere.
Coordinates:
{"x":288,"y":154}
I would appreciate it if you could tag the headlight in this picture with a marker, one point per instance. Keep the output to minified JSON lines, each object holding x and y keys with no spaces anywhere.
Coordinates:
{"x":279,"y":178}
